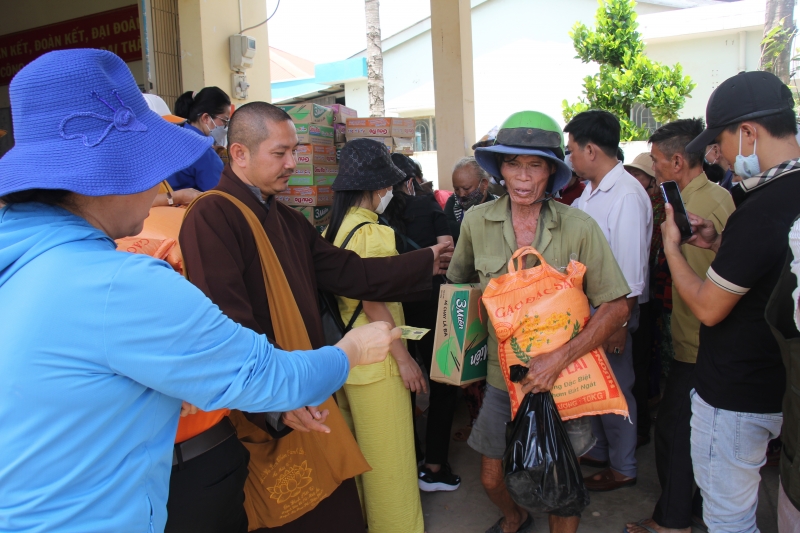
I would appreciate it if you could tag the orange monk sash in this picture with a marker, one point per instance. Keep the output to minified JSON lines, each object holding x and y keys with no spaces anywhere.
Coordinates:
{"x":291,"y":475}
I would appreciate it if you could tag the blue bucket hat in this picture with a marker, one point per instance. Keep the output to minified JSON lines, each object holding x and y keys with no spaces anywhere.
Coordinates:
{"x":82,"y":124}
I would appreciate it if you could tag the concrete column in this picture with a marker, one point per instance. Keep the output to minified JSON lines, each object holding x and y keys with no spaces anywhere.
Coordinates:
{"x":205,"y":27}
{"x":454,"y":93}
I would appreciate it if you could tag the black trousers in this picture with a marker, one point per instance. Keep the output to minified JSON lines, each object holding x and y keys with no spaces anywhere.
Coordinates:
{"x":206,"y":494}
{"x":673,"y":451}
{"x":443,"y":398}
{"x":642,"y":351}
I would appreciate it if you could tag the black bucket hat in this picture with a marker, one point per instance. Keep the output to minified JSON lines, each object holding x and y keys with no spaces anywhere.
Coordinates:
{"x":404,"y":163}
{"x":745,"y":96}
{"x":365,"y":165}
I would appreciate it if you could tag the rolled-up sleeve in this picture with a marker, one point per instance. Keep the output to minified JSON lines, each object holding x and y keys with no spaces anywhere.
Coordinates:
{"x":164,"y":333}
{"x":462,"y":265}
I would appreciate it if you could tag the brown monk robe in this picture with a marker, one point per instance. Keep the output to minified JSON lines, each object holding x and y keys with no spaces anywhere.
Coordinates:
{"x":220,"y":253}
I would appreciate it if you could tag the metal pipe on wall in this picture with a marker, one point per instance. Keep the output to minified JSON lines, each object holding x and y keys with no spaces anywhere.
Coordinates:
{"x":742,"y":51}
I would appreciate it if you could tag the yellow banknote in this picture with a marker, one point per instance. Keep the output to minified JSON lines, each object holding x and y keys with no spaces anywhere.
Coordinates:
{"x":413,"y":334}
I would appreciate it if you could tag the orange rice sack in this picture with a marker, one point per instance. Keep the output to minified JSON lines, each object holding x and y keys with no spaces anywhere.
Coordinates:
{"x":158,"y":248}
{"x":162,"y":226}
{"x":536,"y":310}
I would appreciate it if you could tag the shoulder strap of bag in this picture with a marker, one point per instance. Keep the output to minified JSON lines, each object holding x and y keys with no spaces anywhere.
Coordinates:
{"x":353,"y":231}
{"x":360,"y":305}
{"x":287,"y":322}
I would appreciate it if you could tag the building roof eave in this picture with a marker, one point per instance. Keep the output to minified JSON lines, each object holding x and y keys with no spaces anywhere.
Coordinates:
{"x":719,"y":19}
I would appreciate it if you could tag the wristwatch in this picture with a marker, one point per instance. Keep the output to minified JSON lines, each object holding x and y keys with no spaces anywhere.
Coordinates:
{"x":170,"y":201}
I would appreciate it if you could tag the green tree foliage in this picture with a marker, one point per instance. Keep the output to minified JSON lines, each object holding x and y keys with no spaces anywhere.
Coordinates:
{"x":773,"y":45}
{"x":626,"y":75}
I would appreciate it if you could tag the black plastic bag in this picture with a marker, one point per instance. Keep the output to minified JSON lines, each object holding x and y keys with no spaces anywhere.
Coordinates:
{"x":542,"y":473}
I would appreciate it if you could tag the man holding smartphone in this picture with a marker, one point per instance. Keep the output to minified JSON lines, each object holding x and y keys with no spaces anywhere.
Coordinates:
{"x":676,"y":166}
{"x":739,"y":378}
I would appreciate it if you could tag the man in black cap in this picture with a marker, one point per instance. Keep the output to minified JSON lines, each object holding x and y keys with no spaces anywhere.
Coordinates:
{"x":740,"y":378}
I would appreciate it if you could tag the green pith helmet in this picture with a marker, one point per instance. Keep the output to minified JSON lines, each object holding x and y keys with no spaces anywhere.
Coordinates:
{"x":532,"y":129}
{"x":528,"y":133}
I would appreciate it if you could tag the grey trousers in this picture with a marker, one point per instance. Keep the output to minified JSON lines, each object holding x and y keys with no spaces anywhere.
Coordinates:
{"x":616,"y":436}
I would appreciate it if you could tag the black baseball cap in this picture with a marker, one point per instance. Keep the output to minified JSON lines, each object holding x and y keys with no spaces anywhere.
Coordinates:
{"x":746,"y":96}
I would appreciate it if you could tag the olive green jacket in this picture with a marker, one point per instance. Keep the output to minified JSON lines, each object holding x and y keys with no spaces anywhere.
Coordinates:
{"x":488,"y":241}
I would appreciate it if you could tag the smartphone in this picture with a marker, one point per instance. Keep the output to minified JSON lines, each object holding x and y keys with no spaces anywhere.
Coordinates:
{"x":672,"y":195}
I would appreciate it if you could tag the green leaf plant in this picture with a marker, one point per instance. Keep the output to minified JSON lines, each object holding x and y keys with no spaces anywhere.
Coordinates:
{"x":626,"y":76}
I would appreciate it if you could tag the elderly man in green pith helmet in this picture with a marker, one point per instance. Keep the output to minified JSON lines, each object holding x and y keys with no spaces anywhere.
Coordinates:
{"x":527,"y":158}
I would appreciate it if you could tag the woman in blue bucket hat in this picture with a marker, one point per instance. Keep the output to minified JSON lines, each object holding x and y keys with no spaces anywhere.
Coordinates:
{"x":99,"y":347}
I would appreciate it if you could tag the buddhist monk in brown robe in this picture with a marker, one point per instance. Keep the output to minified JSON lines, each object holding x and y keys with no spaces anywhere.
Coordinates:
{"x":222,"y":259}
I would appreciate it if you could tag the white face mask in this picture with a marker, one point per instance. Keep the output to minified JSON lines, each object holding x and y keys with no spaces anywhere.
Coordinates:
{"x":219,"y":133}
{"x":746,"y":167}
{"x":384,"y":203}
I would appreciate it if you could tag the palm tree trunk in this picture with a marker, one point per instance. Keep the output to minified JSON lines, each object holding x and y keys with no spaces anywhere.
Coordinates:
{"x":777,"y":11}
{"x":374,"y":59}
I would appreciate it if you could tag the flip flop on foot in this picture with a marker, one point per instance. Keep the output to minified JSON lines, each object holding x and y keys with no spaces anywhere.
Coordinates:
{"x":525,"y":527}
{"x":605,"y":481}
{"x":648,"y":525}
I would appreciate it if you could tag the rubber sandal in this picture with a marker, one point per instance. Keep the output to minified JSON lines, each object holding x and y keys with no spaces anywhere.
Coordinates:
{"x":462,"y":434}
{"x":606,"y":482}
{"x":525,"y":527}
{"x":640,"y":523}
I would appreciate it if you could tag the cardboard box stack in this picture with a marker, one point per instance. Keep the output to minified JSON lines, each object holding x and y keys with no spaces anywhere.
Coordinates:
{"x":310,"y":186}
{"x":340,"y":116}
{"x":396,"y":133}
{"x":322,"y":132}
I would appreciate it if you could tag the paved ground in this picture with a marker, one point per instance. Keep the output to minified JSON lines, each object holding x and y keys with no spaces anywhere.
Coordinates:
{"x":468,"y":510}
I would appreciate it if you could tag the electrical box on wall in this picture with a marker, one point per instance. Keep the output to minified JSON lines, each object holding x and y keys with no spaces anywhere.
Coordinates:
{"x":243,"y":50}
{"x":239,"y":85}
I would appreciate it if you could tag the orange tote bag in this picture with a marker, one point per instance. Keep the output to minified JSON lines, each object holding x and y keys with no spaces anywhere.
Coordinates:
{"x":536,"y":310}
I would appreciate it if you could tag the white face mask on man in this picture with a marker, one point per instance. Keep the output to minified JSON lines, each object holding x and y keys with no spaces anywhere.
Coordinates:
{"x":746,"y":167}
{"x":384,"y":203}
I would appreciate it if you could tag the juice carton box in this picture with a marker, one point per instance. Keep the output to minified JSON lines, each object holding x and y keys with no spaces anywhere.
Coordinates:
{"x":459,"y":347}
{"x":309,"y":114}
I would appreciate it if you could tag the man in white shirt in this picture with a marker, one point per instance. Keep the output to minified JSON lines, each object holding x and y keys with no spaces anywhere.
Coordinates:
{"x":622,"y":209}
{"x":794,"y":245}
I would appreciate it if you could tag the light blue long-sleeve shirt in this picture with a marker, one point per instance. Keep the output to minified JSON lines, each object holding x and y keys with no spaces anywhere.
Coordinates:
{"x":97,"y":350}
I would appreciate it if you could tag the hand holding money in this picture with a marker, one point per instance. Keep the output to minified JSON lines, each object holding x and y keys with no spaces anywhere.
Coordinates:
{"x":369,"y":343}
{"x":413,"y":334}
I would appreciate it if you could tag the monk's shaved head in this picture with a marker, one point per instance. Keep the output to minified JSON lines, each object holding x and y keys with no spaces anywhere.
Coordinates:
{"x":250,"y":124}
